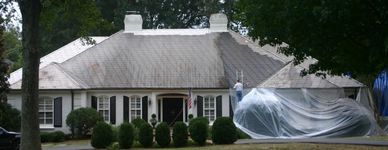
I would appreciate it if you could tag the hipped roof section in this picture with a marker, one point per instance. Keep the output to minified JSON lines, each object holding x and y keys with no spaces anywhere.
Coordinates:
{"x":183,"y":58}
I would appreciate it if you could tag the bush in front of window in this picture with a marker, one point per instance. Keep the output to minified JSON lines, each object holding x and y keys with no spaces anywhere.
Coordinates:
{"x":162,"y":134}
{"x":138,"y":122}
{"x":179,"y":134}
{"x":82,"y":120}
{"x":224,"y":131}
{"x":126,"y":135}
{"x":146,"y":137}
{"x":102,"y":135}
{"x":9,"y":117}
{"x":198,"y":129}
{"x":57,"y":136}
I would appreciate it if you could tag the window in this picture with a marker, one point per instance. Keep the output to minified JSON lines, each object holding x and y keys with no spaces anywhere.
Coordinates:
{"x":103,"y":107}
{"x":46,"y":110}
{"x":135,"y":107}
{"x":209,"y":108}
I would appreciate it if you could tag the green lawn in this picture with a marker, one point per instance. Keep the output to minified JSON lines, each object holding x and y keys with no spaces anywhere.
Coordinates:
{"x":287,"y":146}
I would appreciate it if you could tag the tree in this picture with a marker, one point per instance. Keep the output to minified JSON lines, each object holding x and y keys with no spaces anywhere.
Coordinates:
{"x":63,"y":21}
{"x":13,"y":47}
{"x":4,"y":85}
{"x":164,"y":14}
{"x":347,"y":36}
{"x":30,"y":10}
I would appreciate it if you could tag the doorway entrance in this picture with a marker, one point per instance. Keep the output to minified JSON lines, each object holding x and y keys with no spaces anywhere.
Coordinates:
{"x":172,"y":110}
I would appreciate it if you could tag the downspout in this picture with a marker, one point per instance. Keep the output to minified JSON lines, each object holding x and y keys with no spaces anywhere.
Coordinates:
{"x":72,"y":99}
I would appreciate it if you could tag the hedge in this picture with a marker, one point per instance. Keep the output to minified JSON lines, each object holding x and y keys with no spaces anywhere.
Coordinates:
{"x":180,"y":134}
{"x":162,"y":135}
{"x":224,"y":131}
{"x":102,"y":135}
{"x":126,"y":135}
{"x":146,"y":136}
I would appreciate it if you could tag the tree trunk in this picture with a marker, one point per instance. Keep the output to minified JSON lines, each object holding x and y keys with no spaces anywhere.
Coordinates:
{"x":30,"y":10}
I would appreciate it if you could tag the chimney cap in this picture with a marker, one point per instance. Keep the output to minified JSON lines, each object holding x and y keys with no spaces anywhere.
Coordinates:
{"x":218,"y":22}
{"x":132,"y":23}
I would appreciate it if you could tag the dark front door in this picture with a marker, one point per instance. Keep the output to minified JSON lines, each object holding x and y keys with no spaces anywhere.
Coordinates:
{"x":172,"y":110}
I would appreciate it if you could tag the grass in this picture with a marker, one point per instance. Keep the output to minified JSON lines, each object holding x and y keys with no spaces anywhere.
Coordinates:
{"x":286,"y":146}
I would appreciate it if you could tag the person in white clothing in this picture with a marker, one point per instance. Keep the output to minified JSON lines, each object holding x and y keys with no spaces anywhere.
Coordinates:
{"x":239,"y":89}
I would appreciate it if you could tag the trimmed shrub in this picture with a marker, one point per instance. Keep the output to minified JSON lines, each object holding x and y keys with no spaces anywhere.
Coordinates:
{"x":102,"y":135}
{"x":202,"y":119}
{"x":162,"y":135}
{"x":56,"y":136}
{"x":126,"y":135}
{"x":9,"y":117}
{"x":82,"y":120}
{"x":179,"y":134}
{"x":224,"y":131}
{"x":146,"y":137}
{"x":198,"y":129}
{"x":45,"y":137}
{"x":138,"y":122}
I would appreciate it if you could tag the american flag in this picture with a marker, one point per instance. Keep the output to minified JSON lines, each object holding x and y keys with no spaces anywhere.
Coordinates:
{"x":189,"y":99}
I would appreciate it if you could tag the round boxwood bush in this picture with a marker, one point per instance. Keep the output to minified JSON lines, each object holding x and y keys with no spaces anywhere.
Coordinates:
{"x":58,"y":136}
{"x":198,"y":129}
{"x":138,"y":122}
{"x":102,"y":135}
{"x":162,"y":135}
{"x":126,"y":135}
{"x":179,"y":134}
{"x":224,"y":131}
{"x":82,"y":120}
{"x":146,"y":136}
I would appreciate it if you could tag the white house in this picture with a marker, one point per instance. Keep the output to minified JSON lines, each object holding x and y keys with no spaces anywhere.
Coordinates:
{"x":139,"y":72}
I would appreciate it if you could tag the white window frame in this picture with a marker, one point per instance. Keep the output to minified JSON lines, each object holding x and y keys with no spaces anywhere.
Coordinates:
{"x":132,"y":100}
{"x":207,"y":107}
{"x":103,"y":99}
{"x":46,"y":109}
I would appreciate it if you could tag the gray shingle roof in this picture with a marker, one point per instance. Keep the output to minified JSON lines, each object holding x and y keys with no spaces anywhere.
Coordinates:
{"x":210,"y":60}
{"x":178,"y":58}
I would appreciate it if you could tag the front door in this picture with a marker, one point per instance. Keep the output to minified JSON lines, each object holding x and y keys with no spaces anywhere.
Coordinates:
{"x":172,"y":110}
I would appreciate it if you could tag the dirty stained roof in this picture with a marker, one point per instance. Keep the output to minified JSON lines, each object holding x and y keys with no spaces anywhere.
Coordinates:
{"x":175,"y":58}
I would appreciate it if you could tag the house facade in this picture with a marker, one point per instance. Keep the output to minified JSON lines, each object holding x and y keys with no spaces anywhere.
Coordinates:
{"x":167,"y":72}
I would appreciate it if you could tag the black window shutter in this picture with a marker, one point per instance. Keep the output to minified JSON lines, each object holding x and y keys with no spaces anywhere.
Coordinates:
{"x":219,"y":106}
{"x":113,"y":110}
{"x":199,"y":106}
{"x":58,"y":112}
{"x":159,"y":109}
{"x":144,"y":109}
{"x":187,"y":109}
{"x":126,"y":109}
{"x":94,"y":102}
{"x":230,"y":107}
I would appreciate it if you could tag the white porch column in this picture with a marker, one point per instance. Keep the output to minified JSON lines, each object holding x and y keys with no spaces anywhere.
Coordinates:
{"x":154,"y":105}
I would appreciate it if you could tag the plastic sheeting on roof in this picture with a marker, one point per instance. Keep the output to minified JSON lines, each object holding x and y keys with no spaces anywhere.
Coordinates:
{"x":303,"y":113}
{"x":380,"y":91}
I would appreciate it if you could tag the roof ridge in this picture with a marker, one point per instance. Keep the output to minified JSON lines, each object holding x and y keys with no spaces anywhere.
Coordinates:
{"x":93,"y":46}
{"x":252,"y":43}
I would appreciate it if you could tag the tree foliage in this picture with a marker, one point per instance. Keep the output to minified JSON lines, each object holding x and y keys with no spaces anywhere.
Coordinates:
{"x":165,"y":14}
{"x":345,"y":36}
{"x":63,"y":21}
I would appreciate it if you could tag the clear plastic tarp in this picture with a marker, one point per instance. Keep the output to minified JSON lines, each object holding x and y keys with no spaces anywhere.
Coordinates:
{"x":303,"y":113}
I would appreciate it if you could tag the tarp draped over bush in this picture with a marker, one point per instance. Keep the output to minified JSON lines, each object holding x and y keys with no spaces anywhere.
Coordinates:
{"x":303,"y":113}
